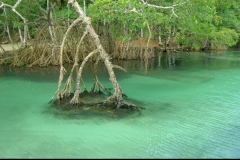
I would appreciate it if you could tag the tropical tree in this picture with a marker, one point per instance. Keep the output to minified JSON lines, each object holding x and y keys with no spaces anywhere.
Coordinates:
{"x":201,"y":24}
{"x":117,"y":96}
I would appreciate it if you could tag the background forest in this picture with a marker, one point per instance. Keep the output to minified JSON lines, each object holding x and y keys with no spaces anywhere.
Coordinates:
{"x":187,"y":24}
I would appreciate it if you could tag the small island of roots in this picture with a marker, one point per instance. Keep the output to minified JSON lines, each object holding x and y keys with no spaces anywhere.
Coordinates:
{"x":92,"y":103}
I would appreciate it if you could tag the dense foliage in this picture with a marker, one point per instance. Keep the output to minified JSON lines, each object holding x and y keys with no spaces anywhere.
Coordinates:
{"x":195,"y":23}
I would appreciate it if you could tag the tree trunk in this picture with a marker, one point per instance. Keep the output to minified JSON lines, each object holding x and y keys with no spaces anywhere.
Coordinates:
{"x":117,"y":96}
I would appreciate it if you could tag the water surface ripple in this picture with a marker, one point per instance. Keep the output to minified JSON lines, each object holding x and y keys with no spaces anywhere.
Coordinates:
{"x":192,"y":111}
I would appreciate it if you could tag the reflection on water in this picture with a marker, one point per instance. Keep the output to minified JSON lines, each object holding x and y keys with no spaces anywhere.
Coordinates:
{"x":192,"y":111}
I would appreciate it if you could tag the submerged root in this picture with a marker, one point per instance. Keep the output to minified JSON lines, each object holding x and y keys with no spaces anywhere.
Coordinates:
{"x":95,"y":100}
{"x":118,"y":102}
{"x":89,"y":106}
{"x":68,"y":87}
{"x":97,"y":86}
{"x":75,"y":99}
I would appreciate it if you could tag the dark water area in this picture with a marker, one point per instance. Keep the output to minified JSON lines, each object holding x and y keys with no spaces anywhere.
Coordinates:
{"x":192,"y":103}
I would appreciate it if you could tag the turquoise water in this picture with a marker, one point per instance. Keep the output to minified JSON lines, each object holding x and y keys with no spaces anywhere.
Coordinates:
{"x":192,"y":103}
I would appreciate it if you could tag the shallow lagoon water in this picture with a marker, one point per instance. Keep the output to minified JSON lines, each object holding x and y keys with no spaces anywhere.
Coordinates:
{"x":192,"y":103}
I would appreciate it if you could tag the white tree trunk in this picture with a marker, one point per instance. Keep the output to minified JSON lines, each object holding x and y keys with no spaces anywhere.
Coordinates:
{"x":117,"y":95}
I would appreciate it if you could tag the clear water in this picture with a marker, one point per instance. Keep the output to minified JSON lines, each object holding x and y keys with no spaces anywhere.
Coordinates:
{"x":192,"y":111}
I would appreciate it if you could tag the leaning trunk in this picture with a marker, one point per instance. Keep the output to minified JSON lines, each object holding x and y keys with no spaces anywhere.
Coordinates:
{"x":117,"y":96}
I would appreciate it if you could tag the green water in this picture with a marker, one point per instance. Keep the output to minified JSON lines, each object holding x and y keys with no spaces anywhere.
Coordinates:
{"x":192,"y":111}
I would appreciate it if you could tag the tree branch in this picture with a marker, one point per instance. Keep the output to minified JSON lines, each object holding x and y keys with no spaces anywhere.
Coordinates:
{"x":163,"y":7}
{"x":24,"y":42}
